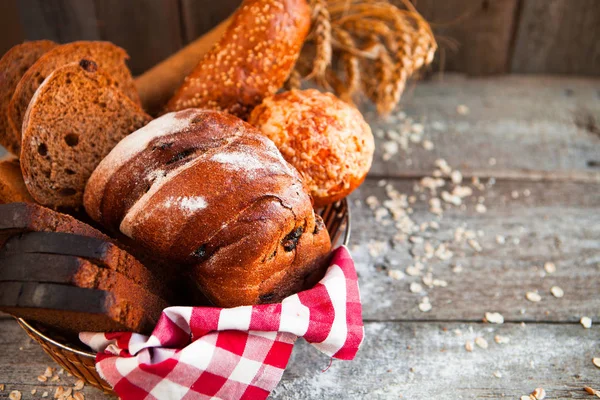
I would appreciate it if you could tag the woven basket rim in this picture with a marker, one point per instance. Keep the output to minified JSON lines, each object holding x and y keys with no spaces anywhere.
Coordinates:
{"x":87,"y":354}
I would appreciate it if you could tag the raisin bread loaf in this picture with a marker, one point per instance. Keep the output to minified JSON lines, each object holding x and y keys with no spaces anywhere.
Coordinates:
{"x":206,"y":190}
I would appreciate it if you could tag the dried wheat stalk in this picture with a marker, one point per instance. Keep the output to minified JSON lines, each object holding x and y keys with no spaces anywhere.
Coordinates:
{"x":369,"y":46}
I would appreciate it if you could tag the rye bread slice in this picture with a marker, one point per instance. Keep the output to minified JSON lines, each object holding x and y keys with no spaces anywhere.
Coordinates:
{"x":12,"y":186}
{"x":109,"y":57}
{"x":101,"y":252}
{"x":75,"y":271}
{"x":73,"y":121}
{"x":73,"y":309}
{"x":13,"y":65}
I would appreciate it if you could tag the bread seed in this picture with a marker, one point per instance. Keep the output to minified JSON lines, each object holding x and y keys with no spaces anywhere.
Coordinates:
{"x":497,"y":374}
{"x":550,"y":267}
{"x":501,"y":339}
{"x":533,"y":296}
{"x":596,"y":361}
{"x":42,"y":378}
{"x":586,"y":322}
{"x":416,"y":287}
{"x":425,"y":307}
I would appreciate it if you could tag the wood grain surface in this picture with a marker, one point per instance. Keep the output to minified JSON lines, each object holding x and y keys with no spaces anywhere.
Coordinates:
{"x":558,"y":37}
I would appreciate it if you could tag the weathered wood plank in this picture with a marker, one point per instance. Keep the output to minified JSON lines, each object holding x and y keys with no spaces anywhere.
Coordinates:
{"x":12,"y":32}
{"x":150,"y":30}
{"x":428,"y":360}
{"x":200,"y":16}
{"x":59,"y":20}
{"x":558,"y":37}
{"x":532,"y":128}
{"x":23,"y":360}
{"x":482,"y":30}
{"x":558,"y":222}
{"x":415,"y":360}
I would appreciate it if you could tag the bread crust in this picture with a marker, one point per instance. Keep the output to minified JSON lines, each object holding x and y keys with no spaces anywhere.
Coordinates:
{"x":208,"y":192}
{"x":12,"y":186}
{"x":326,"y":139}
{"x":251,"y":61}
{"x":13,"y":65}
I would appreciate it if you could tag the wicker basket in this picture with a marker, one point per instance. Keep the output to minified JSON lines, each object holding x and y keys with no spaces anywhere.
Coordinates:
{"x":81,"y":363}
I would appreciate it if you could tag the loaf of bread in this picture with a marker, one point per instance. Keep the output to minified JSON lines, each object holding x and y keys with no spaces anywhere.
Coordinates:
{"x":326,"y":139}
{"x":13,"y":66}
{"x":74,"y":119}
{"x":78,"y":272}
{"x":12,"y":186}
{"x":110,"y":58}
{"x":207,"y":191}
{"x":252,"y":60}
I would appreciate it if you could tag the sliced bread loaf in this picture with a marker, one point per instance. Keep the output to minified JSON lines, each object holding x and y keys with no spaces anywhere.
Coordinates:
{"x":13,"y":65}
{"x":109,"y":57}
{"x":101,"y":252}
{"x":12,"y":187}
{"x":75,"y":271}
{"x":75,"y":118}
{"x":73,"y":309}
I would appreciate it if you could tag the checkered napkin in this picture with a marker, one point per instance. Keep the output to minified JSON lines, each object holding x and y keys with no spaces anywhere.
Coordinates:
{"x":235,"y":353}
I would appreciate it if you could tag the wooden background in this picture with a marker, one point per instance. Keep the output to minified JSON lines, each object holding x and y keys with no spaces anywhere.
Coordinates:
{"x":479,"y":37}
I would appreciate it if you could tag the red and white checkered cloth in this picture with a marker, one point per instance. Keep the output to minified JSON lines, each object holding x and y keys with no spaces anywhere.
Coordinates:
{"x":235,"y":353}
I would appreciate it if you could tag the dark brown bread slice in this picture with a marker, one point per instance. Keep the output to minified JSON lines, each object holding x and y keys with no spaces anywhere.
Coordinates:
{"x":101,"y":252}
{"x":75,"y":271}
{"x":74,"y":120}
{"x":73,"y":309}
{"x":12,"y":186}
{"x":109,"y":57}
{"x":13,"y":65}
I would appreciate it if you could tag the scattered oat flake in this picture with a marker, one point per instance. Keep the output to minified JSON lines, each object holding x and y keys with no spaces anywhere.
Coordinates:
{"x":526,"y":398}
{"x":494,"y":318}
{"x":79,"y":384}
{"x":469,"y":346}
{"x":550,"y":267}
{"x":413,"y":271}
{"x":462,"y":109}
{"x":1,"y":387}
{"x":15,"y":395}
{"x":457,"y":269}
{"x":392,"y":273}
{"x":45,"y":394}
{"x":79,"y":396}
{"x":539,"y":394}
{"x":416,"y":287}
{"x":42,"y":378}
{"x":497,"y":374}
{"x":456,"y":177}
{"x":425,"y":307}
{"x":526,"y":192}
{"x":55,"y":378}
{"x":475,"y":245}
{"x":596,"y":361}
{"x":586,"y":322}
{"x":48,"y":372}
{"x":500,"y":239}
{"x":481,"y":342}
{"x":33,"y":391}
{"x":481,"y":208}
{"x":533,"y":296}
{"x":501,"y":339}
{"x":557,"y":292}
{"x":492,"y":161}
{"x":514,"y":194}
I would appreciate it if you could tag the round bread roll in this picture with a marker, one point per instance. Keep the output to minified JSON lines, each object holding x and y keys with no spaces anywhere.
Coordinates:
{"x":326,"y":139}
{"x":208,"y":192}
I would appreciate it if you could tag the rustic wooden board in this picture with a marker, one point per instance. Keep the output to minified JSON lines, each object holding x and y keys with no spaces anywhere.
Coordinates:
{"x":412,"y":360}
{"x":428,"y":360}
{"x":558,"y":37}
{"x":58,"y":20}
{"x":200,"y":16}
{"x":559,"y":222}
{"x":150,"y":30}
{"x":534,"y":128}
{"x":12,"y":32}
{"x":482,"y":30}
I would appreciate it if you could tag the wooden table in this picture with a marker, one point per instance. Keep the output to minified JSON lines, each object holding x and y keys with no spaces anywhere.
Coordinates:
{"x":539,"y":139}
